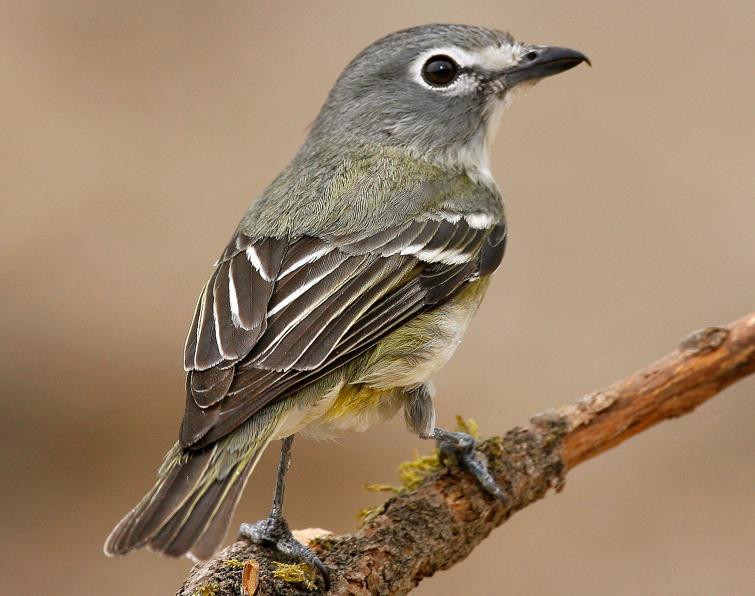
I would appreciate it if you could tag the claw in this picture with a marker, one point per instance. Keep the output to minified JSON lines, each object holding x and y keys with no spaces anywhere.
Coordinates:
{"x":464,"y":449}
{"x":275,"y":531}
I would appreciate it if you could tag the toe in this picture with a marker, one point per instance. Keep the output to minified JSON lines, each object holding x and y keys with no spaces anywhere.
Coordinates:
{"x":323,"y":572}
{"x":276,"y":531}
{"x":481,"y":472}
{"x":466,"y":455}
{"x":293,"y":548}
{"x":467,"y":442}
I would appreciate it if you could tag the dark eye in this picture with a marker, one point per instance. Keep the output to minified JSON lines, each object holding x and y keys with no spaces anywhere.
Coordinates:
{"x":440,"y":71}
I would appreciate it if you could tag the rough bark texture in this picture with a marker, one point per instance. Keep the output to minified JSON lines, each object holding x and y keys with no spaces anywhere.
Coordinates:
{"x":437,"y":524}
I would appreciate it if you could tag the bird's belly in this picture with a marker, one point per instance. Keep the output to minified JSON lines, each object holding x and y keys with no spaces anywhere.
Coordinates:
{"x":355,"y":408}
{"x":372,"y":388}
{"x":340,"y":406}
{"x":414,"y":353}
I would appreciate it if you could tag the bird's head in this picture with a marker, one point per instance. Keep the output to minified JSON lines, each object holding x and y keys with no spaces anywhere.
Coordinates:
{"x":435,"y":90}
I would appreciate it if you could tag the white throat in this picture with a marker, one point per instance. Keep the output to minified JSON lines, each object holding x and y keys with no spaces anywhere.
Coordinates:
{"x":474,"y":155}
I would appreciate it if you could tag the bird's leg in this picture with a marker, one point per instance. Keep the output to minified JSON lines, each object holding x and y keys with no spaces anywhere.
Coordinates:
{"x":420,"y":418}
{"x":274,"y":530}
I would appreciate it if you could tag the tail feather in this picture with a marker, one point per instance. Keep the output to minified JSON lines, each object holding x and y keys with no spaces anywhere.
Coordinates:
{"x":172,"y":488}
{"x":216,"y":529}
{"x":189,"y":508}
{"x":189,"y":524}
{"x":182,"y":530}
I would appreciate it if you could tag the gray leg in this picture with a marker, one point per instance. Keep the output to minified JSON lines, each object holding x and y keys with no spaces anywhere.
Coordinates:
{"x":274,"y":530}
{"x":420,"y":418}
{"x":280,"y":482}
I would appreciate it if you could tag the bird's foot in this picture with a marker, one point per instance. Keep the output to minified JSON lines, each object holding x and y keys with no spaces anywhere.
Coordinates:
{"x":463,"y":447}
{"x":275,"y":531}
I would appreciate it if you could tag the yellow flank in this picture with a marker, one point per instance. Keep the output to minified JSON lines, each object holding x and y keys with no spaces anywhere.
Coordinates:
{"x":352,"y":400}
{"x":372,"y":387}
{"x":416,"y":351}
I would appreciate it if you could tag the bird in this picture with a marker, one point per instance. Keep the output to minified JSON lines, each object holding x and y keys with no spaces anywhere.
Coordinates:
{"x":349,"y":282}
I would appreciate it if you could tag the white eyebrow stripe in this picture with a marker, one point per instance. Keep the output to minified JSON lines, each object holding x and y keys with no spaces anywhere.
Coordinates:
{"x":498,"y":57}
{"x":489,"y":58}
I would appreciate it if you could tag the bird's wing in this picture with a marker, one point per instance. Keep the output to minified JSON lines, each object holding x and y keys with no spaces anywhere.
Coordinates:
{"x":276,"y":316}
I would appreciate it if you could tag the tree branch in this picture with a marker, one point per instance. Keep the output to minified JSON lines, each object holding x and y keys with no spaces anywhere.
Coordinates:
{"x":438,"y":523}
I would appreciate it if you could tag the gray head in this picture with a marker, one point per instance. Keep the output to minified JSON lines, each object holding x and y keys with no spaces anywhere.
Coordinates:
{"x":434,"y":89}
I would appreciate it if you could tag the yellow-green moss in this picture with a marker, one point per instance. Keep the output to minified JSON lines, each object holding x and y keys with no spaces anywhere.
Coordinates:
{"x":326,"y":541}
{"x":413,"y":472}
{"x":367,"y":514}
{"x":296,"y":573}
{"x":382,"y":488}
{"x":210,"y":589}
{"x":495,"y":447}
{"x":234,"y":563}
{"x":468,"y":426}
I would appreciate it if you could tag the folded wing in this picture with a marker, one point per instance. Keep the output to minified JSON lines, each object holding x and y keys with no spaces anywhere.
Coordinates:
{"x":277,"y":315}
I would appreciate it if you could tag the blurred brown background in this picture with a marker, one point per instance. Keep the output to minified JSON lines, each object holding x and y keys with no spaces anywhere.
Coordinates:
{"x":132,"y":137}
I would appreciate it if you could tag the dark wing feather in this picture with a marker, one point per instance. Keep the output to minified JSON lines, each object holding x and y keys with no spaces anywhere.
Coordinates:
{"x":493,"y":249}
{"x":207,"y":348}
{"x":386,"y":274}
{"x":274,"y":318}
{"x":231,"y":314}
{"x":269,"y":353}
{"x":254,"y":388}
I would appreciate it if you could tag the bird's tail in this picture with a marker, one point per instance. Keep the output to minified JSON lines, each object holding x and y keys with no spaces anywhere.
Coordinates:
{"x":189,"y":509}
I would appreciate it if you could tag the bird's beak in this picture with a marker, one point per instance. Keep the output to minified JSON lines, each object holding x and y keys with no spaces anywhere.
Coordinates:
{"x":538,"y":62}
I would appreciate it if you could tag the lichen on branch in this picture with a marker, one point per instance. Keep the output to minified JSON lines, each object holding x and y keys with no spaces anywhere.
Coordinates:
{"x":439,"y":514}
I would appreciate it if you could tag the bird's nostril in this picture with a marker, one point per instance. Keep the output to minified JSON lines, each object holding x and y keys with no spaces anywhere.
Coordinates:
{"x":530,"y":56}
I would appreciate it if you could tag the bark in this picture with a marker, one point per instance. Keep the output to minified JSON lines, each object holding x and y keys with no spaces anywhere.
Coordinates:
{"x":437,"y":524}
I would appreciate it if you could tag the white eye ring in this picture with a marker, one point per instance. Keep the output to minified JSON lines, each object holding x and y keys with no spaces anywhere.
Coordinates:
{"x":440,"y":70}
{"x":462,"y":82}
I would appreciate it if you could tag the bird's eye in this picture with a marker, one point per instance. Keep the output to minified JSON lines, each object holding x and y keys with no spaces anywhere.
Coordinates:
{"x":440,"y":71}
